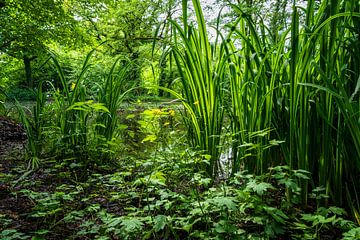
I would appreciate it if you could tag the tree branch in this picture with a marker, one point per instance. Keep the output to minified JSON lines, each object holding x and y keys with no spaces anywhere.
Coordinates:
{"x":96,"y":29}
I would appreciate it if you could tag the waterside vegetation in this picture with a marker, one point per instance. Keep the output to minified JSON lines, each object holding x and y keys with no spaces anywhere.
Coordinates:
{"x":262,"y":142}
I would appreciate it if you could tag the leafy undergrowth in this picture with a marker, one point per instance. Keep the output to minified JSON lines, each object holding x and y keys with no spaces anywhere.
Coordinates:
{"x":160,"y":197}
{"x":157,"y":189}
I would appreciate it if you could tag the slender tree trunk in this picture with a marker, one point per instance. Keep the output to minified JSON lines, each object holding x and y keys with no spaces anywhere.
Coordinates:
{"x":28,"y":70}
{"x":135,"y":72}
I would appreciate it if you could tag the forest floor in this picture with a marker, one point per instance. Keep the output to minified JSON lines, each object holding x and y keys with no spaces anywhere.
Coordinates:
{"x":12,"y":148}
{"x":55,"y":202}
{"x":17,"y":184}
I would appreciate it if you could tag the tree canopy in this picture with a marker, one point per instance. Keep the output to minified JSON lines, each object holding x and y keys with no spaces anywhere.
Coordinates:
{"x":28,"y":26}
{"x":29,"y":29}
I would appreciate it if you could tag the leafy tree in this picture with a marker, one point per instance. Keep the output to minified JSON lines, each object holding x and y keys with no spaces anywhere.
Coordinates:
{"x":26,"y":27}
{"x":29,"y":28}
{"x":126,"y":27}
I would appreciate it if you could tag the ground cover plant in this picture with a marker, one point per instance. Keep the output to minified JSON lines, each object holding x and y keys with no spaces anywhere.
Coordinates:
{"x":259,"y":140}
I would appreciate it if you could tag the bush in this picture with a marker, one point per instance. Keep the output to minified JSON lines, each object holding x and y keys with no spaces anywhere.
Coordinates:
{"x":22,"y":94}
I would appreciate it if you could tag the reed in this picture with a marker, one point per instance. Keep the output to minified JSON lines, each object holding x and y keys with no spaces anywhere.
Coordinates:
{"x":111,"y":95}
{"x":71,"y":120}
{"x":252,"y":84}
{"x":320,"y":90}
{"x":33,"y":123}
{"x":202,"y":72}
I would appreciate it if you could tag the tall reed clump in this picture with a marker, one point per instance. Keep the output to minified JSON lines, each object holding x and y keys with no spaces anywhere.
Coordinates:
{"x":34,"y":123}
{"x":111,"y":95}
{"x":305,"y":86}
{"x":301,"y":88}
{"x":77,"y":126}
{"x":83,"y":124}
{"x":202,"y":72}
{"x":253,"y":73}
{"x":72,"y":111}
{"x":323,"y":120}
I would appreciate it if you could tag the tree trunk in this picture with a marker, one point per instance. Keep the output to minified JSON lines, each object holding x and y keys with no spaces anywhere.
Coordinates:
{"x":135,"y":72}
{"x":28,"y":70}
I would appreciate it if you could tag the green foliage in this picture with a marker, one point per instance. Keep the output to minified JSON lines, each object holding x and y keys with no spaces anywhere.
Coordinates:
{"x":322,"y":220}
{"x":285,"y":98}
{"x":27,"y":28}
{"x":259,"y":188}
{"x":111,"y":96}
{"x":22,"y":94}
{"x":143,"y":199}
{"x":2,"y":104}
{"x":11,"y":72}
{"x":73,"y":112}
{"x":10,"y":234}
{"x":352,"y":234}
{"x":291,"y":86}
{"x":37,"y":17}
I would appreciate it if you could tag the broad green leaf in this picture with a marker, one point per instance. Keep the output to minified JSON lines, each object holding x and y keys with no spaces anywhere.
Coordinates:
{"x":160,"y":222}
{"x":277,"y":214}
{"x":131,"y":225}
{"x":150,"y":138}
{"x":99,"y":107}
{"x":228,"y":202}
{"x":337,"y":210}
{"x":352,"y":234}
{"x":158,"y":178}
{"x":114,"y":222}
{"x":259,"y":188}
{"x":130,"y":116}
